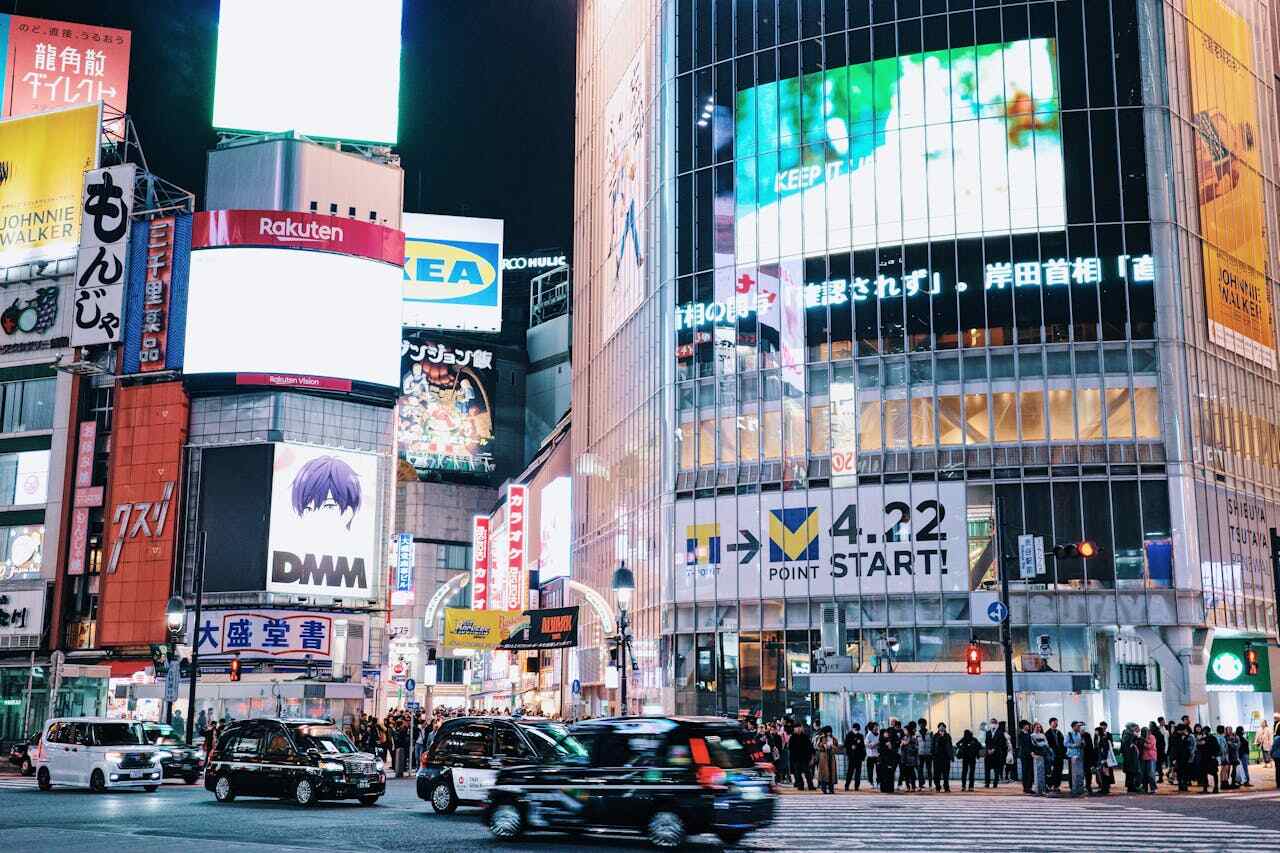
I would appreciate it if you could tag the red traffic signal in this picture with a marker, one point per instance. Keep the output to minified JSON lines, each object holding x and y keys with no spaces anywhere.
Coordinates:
{"x":973,"y":659}
{"x":1076,"y":550}
{"x":1250,"y":661}
{"x":235,"y":669}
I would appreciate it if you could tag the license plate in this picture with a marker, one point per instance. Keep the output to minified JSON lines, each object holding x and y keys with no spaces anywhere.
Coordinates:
{"x":363,"y":783}
{"x":136,"y":774}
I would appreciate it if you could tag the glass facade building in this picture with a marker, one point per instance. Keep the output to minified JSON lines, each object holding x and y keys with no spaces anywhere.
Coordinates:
{"x":924,"y":279}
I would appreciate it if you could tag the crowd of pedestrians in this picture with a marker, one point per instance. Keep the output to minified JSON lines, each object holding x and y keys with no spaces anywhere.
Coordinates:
{"x":1075,"y":759}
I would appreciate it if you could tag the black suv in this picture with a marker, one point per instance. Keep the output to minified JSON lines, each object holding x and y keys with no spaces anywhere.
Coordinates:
{"x":666,"y":778}
{"x":178,"y":759}
{"x":467,"y":753}
{"x":294,"y":759}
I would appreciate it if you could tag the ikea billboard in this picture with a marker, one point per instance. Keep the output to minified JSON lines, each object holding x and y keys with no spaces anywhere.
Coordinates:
{"x":452,"y":272}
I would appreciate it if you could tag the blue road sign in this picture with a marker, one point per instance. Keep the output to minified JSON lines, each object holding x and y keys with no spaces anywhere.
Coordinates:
{"x":411,"y":706}
{"x":410,"y":684}
{"x":997,"y":612}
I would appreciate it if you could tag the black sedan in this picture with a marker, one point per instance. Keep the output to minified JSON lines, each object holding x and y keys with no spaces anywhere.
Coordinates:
{"x":20,"y":754}
{"x":663,"y":778}
{"x":179,"y":759}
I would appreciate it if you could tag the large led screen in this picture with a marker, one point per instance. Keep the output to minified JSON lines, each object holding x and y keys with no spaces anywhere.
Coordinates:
{"x":293,"y":312}
{"x":937,"y":145}
{"x":325,"y":68}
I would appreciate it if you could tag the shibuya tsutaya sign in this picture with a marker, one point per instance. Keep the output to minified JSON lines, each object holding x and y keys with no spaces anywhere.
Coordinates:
{"x":899,"y":538}
{"x":1060,"y":272}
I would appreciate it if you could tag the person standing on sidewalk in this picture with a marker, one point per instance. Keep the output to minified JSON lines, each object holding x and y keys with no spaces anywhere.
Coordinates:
{"x":968,"y":749}
{"x":855,"y":752}
{"x":887,"y":762}
{"x":1263,"y":739}
{"x":1275,"y":757}
{"x":825,"y":752}
{"x":1106,"y":759}
{"x":1057,"y":743}
{"x":1042,"y":756}
{"x":998,"y":746}
{"x":1074,"y":746}
{"x":925,"y":773}
{"x":801,"y":748}
{"x":944,"y":752}
{"x":1150,"y":758}
{"x":909,"y":753}
{"x":1161,"y":730}
{"x":1207,"y":759}
{"x":1090,"y":758}
{"x":1026,"y":754}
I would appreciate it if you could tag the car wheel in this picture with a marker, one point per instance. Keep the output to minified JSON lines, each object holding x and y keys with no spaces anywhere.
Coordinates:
{"x":304,"y":793}
{"x":97,"y":782}
{"x":222,"y":790}
{"x":731,"y":836}
{"x":42,"y":779}
{"x":443,"y":800}
{"x":151,"y":789}
{"x":191,"y":778}
{"x":27,"y":767}
{"x":368,"y":801}
{"x":506,"y":822}
{"x":666,"y":829}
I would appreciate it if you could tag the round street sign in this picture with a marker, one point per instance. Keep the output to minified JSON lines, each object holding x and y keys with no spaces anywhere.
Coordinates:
{"x":997,"y":612}
{"x":410,"y":685}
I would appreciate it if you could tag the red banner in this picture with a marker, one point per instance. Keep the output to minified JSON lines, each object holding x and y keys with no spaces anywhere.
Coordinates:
{"x":292,"y":230}
{"x":480,"y":562}
{"x":54,"y":64}
{"x":287,"y":380}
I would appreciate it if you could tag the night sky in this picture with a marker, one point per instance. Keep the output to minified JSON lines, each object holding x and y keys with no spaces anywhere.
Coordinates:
{"x":486,"y":101}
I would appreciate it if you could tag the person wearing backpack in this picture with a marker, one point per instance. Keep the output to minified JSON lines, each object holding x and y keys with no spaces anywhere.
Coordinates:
{"x":968,"y":749}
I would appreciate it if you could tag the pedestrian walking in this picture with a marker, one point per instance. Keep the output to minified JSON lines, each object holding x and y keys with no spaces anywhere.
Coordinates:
{"x":944,"y":753}
{"x":825,"y":755}
{"x":855,"y":752}
{"x":968,"y":749}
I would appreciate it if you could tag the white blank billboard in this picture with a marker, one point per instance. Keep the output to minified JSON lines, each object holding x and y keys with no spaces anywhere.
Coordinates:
{"x":325,"y":68}
{"x":297,"y":312}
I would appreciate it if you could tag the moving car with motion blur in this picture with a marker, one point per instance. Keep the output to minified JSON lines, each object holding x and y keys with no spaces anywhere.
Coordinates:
{"x":178,"y":759}
{"x":303,"y":760}
{"x":663,"y":778}
{"x":20,"y":754}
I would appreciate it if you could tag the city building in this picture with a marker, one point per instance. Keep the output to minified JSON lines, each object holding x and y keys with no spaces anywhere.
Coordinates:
{"x":878,"y":304}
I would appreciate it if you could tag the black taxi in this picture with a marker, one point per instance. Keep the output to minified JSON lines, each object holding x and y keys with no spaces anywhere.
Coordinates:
{"x":303,"y":760}
{"x":664,"y":778}
{"x":466,"y":754}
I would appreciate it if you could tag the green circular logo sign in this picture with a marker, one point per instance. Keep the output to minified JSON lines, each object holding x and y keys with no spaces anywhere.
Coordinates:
{"x":1228,"y":666}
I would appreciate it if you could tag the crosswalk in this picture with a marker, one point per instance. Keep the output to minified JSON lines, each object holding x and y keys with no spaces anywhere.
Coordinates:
{"x":1010,"y":824}
{"x":17,"y":783}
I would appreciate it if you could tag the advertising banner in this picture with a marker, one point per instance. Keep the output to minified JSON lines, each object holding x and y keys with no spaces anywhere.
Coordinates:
{"x":54,"y":64}
{"x":105,"y":211}
{"x":281,"y":634}
{"x":870,"y":540}
{"x":44,"y":158}
{"x":627,"y":180}
{"x":465,"y":628}
{"x":296,"y":230}
{"x":153,"y":343}
{"x":555,"y":533}
{"x":452,"y":272}
{"x":403,"y":591}
{"x":1229,"y":173}
{"x":446,"y":412}
{"x":517,"y":579}
{"x":480,"y":562}
{"x":553,"y":628}
{"x":155,"y":311}
{"x":323,"y":538}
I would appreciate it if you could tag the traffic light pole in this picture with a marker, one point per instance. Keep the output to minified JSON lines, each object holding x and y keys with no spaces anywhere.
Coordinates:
{"x":195,"y":641}
{"x":1006,"y":640}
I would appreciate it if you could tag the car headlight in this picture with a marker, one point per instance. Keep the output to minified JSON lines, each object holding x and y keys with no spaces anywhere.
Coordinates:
{"x":379,"y":766}
{"x":115,"y":756}
{"x":332,"y":766}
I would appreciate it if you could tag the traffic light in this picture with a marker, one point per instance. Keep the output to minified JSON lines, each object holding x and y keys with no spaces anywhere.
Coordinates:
{"x":973,"y":659}
{"x":1083,"y":550}
{"x":1250,"y":660}
{"x":613,"y":656}
{"x":235,"y":669}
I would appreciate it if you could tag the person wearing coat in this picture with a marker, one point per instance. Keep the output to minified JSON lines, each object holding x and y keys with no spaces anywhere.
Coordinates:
{"x":887,"y":762}
{"x":910,"y":752}
{"x":855,"y":752}
{"x":1264,"y":738}
{"x":825,"y":753}
{"x":1027,"y":755}
{"x":801,"y":748}
{"x":968,"y":749}
{"x":1106,"y":760}
{"x":1207,"y":751}
{"x":944,"y":753}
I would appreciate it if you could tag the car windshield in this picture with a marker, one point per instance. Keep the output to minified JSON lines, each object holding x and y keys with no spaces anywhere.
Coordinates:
{"x":555,"y":743}
{"x":163,"y":735}
{"x":327,"y":739}
{"x":118,"y":734}
{"x":727,"y":752}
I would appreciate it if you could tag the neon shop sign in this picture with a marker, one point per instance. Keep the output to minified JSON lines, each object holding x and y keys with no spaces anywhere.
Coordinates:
{"x":1058,"y":272}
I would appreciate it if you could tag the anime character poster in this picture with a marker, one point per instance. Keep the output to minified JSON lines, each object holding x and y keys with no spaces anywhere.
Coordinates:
{"x":445,"y":418}
{"x":626,"y":181}
{"x":323,"y":538}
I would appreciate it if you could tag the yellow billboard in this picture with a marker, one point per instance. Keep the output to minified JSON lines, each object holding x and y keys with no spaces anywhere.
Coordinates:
{"x":1229,"y":177}
{"x":43,"y":159}
{"x":478,"y":629}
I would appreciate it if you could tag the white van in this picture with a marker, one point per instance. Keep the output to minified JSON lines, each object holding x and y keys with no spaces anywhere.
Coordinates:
{"x":99,"y":752}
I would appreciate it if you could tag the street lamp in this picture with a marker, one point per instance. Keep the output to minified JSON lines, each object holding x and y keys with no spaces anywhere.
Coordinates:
{"x":624,"y":584}
{"x":175,"y":621}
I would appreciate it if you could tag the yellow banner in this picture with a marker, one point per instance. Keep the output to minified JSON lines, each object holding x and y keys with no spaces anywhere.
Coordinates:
{"x":1229,"y":173}
{"x":478,"y":629}
{"x":43,"y":159}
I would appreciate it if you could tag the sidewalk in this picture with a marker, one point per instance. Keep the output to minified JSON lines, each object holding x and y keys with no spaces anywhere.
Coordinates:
{"x":1262,"y":776}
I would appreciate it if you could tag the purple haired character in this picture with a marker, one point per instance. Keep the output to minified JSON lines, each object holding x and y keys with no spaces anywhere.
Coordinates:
{"x":327,"y":481}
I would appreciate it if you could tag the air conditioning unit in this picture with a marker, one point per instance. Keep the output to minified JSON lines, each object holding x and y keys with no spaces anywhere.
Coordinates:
{"x":347,"y":649}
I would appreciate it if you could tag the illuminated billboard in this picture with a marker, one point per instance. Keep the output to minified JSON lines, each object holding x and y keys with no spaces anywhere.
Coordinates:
{"x":555,"y":534}
{"x":626,"y":180}
{"x":300,"y":317}
{"x":43,"y":159}
{"x":446,"y":411}
{"x":1229,"y":173}
{"x":54,"y":64}
{"x":936,"y":145}
{"x":323,"y":538}
{"x":452,"y":272}
{"x":323,"y":68}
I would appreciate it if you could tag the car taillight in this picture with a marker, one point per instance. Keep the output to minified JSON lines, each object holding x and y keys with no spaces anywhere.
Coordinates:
{"x":711,"y":777}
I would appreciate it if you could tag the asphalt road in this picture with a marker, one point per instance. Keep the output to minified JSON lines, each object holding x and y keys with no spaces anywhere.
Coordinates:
{"x":76,"y":820}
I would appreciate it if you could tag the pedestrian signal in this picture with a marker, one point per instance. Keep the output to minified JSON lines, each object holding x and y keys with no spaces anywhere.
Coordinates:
{"x":973,"y":659}
{"x":1250,"y":661}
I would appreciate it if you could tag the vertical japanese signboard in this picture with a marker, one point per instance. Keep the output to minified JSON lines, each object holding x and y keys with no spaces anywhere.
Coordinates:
{"x":1229,"y":176}
{"x":480,"y":562}
{"x":516,"y":582}
{"x":104,"y":247}
{"x":155,"y":297}
{"x":403,"y":590}
{"x":86,"y":496}
{"x":54,"y":64}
